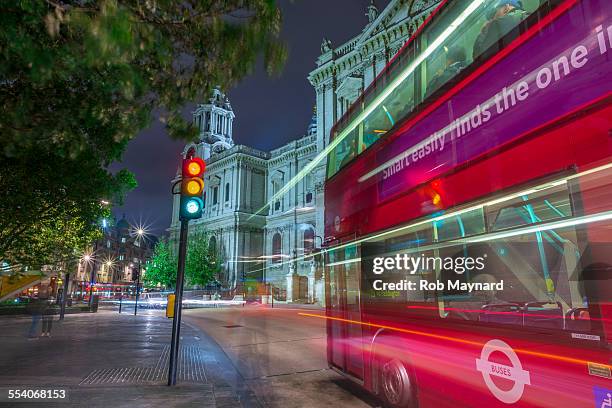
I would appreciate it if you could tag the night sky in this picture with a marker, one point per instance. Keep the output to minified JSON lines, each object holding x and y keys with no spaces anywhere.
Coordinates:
{"x":269,"y":111}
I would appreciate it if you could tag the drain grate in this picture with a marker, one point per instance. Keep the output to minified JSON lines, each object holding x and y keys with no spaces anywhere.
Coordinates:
{"x":190,"y":369}
{"x":233,"y":326}
{"x":134,"y":375}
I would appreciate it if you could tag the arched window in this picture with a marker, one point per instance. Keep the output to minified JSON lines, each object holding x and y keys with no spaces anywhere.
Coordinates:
{"x":215,"y":195}
{"x":227,"y":192}
{"x":212,"y":245}
{"x":277,"y":247}
{"x":309,"y":240}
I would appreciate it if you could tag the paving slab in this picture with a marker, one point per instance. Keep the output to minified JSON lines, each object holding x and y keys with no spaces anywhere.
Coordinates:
{"x":108,"y":359}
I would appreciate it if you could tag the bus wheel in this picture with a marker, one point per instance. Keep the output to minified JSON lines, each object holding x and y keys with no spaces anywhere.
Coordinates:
{"x":396,"y":387}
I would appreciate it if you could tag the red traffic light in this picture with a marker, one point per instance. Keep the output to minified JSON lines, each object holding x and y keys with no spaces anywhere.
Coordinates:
{"x":436,"y":193}
{"x":193,"y":167}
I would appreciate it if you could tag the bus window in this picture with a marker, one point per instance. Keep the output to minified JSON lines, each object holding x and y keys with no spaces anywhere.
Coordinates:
{"x":412,"y":242}
{"x":391,"y":111}
{"x":343,"y":153}
{"x":502,"y":17}
{"x":376,"y":290}
{"x":479,"y":31}
{"x":333,"y":280}
{"x":531,"y":280}
{"x":461,"y":225}
{"x":532,"y":208}
{"x":351,"y":268}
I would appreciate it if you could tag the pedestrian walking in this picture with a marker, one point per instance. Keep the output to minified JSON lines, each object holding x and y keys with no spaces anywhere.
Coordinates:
{"x":47,"y":318}
{"x":35,"y":308}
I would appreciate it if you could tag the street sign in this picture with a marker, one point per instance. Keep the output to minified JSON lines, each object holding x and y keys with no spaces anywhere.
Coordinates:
{"x":513,"y":372}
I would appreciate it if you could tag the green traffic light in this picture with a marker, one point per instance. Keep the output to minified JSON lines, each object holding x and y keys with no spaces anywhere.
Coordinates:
{"x":191,"y":208}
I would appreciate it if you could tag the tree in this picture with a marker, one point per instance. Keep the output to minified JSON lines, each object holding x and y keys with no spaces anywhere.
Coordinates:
{"x":85,"y":75}
{"x":80,"y":78}
{"x":161,"y":269}
{"x":50,"y":208}
{"x":202,"y":265}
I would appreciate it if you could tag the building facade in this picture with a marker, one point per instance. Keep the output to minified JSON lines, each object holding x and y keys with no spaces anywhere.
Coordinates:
{"x":262,"y":237}
{"x":116,"y":255}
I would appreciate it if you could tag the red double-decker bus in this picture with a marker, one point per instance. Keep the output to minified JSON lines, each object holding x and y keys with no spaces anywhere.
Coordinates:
{"x":468,"y":212}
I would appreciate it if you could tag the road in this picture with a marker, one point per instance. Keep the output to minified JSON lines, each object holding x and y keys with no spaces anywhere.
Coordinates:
{"x":280,"y":354}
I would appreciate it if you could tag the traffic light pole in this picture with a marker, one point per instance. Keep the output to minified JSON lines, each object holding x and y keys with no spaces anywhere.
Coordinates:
{"x":178,"y":301}
{"x":191,"y":205}
{"x":137,"y":290}
{"x":64,"y":296}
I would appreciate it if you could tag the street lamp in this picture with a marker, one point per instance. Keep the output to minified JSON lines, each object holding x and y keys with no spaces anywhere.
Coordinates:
{"x":140,"y":232}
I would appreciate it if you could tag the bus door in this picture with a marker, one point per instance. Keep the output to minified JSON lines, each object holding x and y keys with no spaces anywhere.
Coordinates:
{"x":345,"y":348}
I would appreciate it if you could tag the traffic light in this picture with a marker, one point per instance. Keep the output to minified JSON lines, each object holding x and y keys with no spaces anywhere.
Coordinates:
{"x":135,"y":273}
{"x":192,"y":187}
{"x":434,"y":199}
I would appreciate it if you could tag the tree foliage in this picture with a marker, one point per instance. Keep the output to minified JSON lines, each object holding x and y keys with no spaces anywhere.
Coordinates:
{"x":79,"y":79}
{"x":161,"y":269}
{"x":202,"y":266}
{"x":49,"y":207}
{"x":85,"y":75}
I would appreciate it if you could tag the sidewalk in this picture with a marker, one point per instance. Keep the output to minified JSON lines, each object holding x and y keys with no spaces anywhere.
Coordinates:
{"x":107,"y":359}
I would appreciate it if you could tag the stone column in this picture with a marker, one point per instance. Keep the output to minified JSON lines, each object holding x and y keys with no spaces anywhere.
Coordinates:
{"x":292,"y":284}
{"x":311,"y":282}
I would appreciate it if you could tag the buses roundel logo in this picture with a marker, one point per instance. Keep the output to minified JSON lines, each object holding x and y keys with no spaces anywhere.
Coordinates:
{"x":513,"y":372}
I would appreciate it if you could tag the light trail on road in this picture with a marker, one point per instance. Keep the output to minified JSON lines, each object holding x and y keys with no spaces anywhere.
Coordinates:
{"x":457,"y":340}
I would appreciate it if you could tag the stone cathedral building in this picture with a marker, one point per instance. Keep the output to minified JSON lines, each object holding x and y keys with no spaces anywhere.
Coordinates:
{"x":240,"y":181}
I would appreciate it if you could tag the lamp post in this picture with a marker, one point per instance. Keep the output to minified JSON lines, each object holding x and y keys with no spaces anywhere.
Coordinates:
{"x":92,"y":277}
{"x":139,"y":234}
{"x":64,"y":295}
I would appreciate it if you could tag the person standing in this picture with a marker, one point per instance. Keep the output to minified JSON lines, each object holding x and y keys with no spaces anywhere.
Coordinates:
{"x":35,"y":308}
{"x":47,"y":318}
